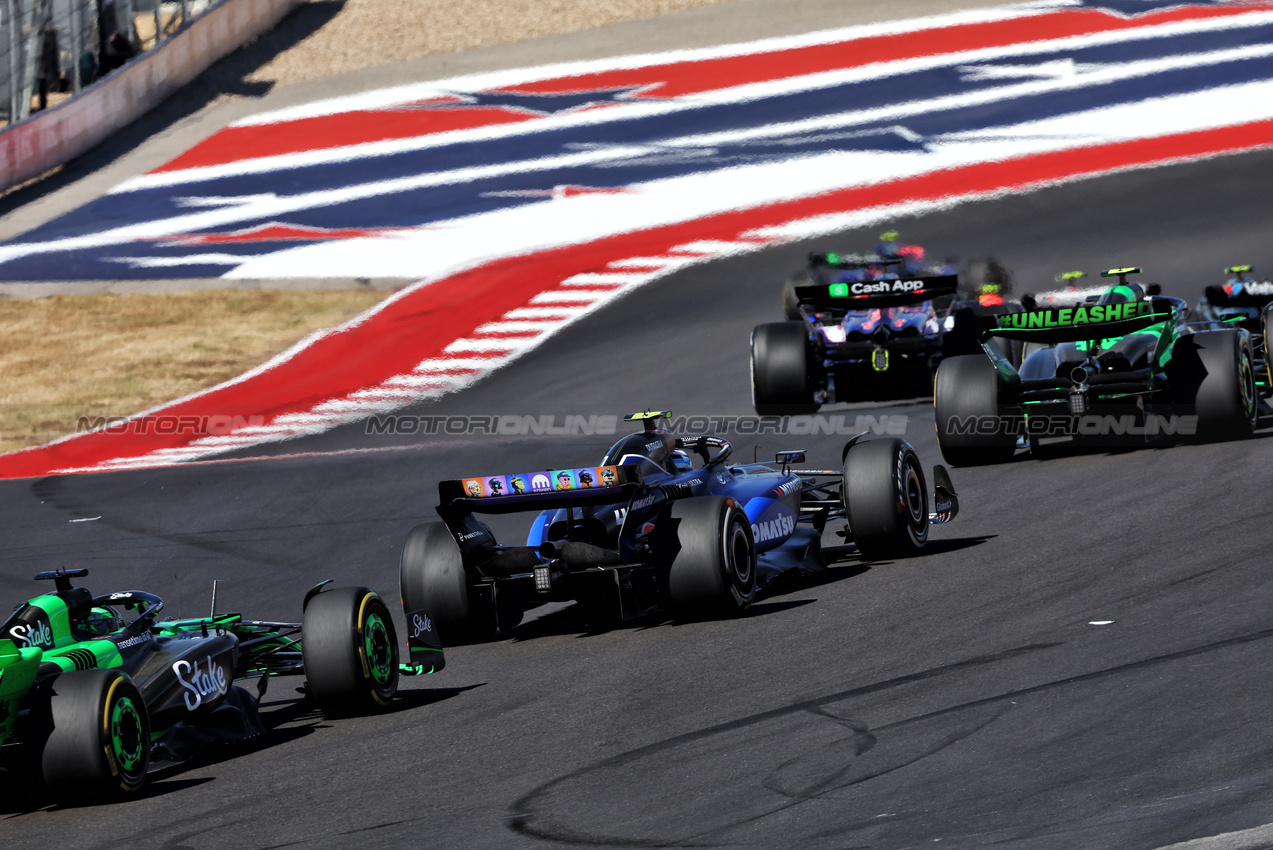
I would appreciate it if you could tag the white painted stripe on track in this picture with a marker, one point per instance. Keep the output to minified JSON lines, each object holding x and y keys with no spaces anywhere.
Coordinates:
{"x":568,"y":296}
{"x":455,"y":364}
{"x":495,"y":328}
{"x":602,"y":278}
{"x":487,"y":344}
{"x":653,"y":262}
{"x":707,"y":247}
{"x":542,"y":313}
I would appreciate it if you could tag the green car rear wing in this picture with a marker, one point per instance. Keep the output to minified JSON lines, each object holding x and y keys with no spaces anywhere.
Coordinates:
{"x":1072,"y":324}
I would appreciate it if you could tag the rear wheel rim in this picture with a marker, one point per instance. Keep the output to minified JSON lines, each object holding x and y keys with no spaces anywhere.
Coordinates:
{"x":914,"y":497}
{"x":913,"y":494}
{"x":738,"y":554}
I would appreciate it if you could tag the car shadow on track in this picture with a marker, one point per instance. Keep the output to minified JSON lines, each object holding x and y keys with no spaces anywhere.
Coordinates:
{"x":843,"y":563}
{"x":19,"y":795}
{"x":285,"y":720}
{"x":1066,"y":448}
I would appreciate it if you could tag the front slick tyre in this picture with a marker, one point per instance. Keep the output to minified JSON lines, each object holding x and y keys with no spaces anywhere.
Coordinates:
{"x":99,"y":748}
{"x":710,"y":557}
{"x":885,"y":499}
{"x":350,"y":651}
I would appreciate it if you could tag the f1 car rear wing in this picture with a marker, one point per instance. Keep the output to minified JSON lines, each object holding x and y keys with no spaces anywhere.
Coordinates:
{"x":1252,"y":294}
{"x":537,"y":491}
{"x":869,"y":294}
{"x":1072,"y":324}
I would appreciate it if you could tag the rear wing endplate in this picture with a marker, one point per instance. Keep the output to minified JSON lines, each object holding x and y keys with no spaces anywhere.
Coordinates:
{"x":1252,"y":294}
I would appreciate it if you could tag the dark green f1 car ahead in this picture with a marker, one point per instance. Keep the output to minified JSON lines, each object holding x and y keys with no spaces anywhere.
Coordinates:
{"x":1121,"y":366}
{"x":96,"y":701}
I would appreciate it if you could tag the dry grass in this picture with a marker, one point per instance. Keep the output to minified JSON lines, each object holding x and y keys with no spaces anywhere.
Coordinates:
{"x":378,"y":32}
{"x":111,"y":355}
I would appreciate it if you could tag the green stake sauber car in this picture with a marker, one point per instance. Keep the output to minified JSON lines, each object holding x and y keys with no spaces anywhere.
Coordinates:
{"x":97,"y":689}
{"x":1123,"y":365}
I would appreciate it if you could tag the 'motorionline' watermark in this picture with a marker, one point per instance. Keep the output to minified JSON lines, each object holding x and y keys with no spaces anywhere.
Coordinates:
{"x":518,"y":425}
{"x":1086,"y":425}
{"x":194,"y":426}
{"x":578,"y":425}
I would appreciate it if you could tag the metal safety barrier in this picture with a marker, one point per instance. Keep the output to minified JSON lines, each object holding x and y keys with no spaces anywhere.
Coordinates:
{"x":51,"y":49}
{"x":152,"y":48}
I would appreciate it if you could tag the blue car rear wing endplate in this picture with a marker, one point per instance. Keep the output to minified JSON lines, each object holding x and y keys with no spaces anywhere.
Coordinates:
{"x":870,"y":294}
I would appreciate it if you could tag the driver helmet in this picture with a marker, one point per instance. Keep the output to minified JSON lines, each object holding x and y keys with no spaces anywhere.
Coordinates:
{"x":1122,"y":293}
{"x":912,"y":258}
{"x":680,"y":461}
{"x":887,"y":246}
{"x":100,"y":622}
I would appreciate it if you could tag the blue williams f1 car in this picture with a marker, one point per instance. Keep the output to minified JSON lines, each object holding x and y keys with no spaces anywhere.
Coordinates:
{"x":646,"y":530}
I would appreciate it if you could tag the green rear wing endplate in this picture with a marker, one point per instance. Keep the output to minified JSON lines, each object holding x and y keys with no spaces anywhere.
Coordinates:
{"x":1072,"y":324}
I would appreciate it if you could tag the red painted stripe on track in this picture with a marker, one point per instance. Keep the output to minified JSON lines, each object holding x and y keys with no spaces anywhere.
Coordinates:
{"x":674,"y":79}
{"x":335,"y":131}
{"x":423,"y":322}
{"x":682,"y":78}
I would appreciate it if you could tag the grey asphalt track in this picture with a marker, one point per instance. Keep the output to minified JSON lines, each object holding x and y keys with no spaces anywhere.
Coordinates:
{"x":963,"y":697}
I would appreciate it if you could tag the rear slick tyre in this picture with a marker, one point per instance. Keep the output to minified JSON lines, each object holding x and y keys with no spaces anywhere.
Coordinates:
{"x":781,"y":372}
{"x":967,"y":391}
{"x":1216,"y":371}
{"x":710,"y":557}
{"x":432,"y":576}
{"x":885,"y":499}
{"x":99,"y":748}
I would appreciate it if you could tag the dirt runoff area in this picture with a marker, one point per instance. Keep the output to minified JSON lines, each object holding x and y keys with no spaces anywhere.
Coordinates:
{"x":378,"y":32}
{"x":68,"y":360}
